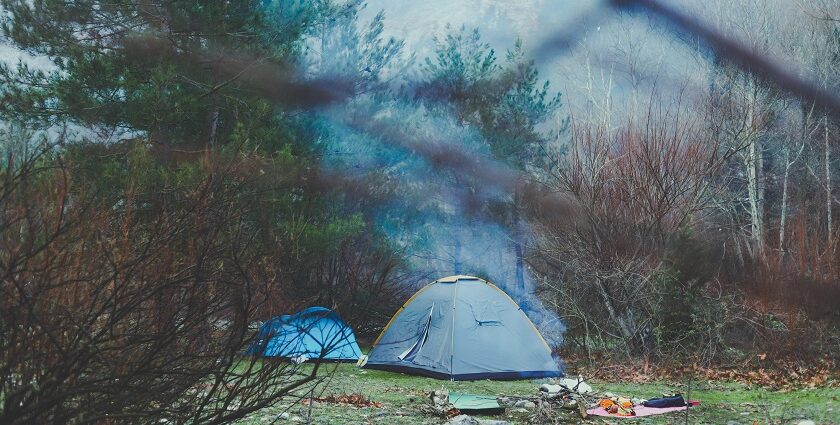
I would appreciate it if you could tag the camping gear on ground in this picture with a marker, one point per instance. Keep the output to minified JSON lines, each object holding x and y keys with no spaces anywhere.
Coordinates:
{"x":577,"y":385}
{"x":618,"y":407}
{"x":463,"y":328}
{"x":473,"y":404}
{"x":673,"y":401}
{"x":314,"y":333}
{"x":638,"y":410}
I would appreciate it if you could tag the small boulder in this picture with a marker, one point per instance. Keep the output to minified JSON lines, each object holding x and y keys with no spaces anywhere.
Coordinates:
{"x":439,"y":397}
{"x":505,"y":401}
{"x":576,"y":383}
{"x":492,"y":422}
{"x":463,"y":420}
{"x":806,"y":422}
{"x":525,"y":404}
{"x":551,"y":388}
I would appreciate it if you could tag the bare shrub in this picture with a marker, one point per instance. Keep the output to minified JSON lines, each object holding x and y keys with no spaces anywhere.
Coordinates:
{"x":134,"y":312}
{"x":637,"y":188}
{"x":361,"y":277}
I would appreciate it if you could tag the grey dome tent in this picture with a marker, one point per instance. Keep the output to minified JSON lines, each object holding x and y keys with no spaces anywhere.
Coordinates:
{"x":463,"y":328}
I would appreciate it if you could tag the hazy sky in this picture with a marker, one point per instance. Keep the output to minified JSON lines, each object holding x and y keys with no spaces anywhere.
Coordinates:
{"x":619,"y":52}
{"x":604,"y":41}
{"x":500,"y":21}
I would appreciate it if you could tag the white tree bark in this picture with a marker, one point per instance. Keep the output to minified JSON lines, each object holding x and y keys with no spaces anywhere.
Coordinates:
{"x":754,"y":164}
{"x":783,"y":212}
{"x":828,"y":192}
{"x":784,"y":207}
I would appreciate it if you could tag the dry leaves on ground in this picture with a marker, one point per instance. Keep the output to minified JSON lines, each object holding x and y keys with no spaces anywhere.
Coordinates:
{"x":780,"y":375}
{"x":355,"y":400}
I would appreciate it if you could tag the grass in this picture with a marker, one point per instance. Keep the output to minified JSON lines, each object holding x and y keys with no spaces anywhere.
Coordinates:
{"x":403,"y":398}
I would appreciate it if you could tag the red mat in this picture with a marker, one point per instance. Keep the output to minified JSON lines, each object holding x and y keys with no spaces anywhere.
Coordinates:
{"x":641,"y":410}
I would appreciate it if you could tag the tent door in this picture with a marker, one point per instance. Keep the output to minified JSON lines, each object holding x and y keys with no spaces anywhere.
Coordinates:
{"x":408,"y":355}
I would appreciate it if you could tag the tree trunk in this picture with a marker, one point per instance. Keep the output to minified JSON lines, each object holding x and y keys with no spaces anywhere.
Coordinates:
{"x":829,"y":226}
{"x":520,"y":263}
{"x":785,"y":193}
{"x":783,"y":212}
{"x":518,"y":250}
{"x":214,"y":125}
{"x":756,"y":198}
{"x":785,"y":183}
{"x":619,"y":321}
{"x":754,"y":164}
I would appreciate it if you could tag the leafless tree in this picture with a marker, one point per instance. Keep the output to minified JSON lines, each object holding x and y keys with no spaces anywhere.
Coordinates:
{"x":127,"y":314}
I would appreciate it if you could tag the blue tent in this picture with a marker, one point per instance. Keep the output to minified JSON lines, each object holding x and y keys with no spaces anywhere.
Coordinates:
{"x":463,"y":328}
{"x":316,"y":333}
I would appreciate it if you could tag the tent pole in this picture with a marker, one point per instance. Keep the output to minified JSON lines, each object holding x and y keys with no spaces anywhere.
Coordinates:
{"x":452,"y":339}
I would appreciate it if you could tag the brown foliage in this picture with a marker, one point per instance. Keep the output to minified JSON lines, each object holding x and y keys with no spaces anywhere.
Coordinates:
{"x":125,"y":314}
{"x":636,"y":188}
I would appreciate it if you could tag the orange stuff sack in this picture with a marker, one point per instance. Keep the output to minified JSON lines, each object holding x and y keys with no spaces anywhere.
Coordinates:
{"x":624,"y":412}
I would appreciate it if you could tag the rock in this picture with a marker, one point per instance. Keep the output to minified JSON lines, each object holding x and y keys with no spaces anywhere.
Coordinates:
{"x":732,"y":423}
{"x":551,"y":388}
{"x":505,"y":401}
{"x":463,"y":420}
{"x":525,"y":404}
{"x":284,"y":416}
{"x":492,"y":422}
{"x":806,"y":422}
{"x":439,"y":397}
{"x":520,"y":410}
{"x":571,"y":383}
{"x":440,"y":401}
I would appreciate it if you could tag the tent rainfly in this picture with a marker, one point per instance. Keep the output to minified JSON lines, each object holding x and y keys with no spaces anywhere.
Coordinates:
{"x":314,"y":333}
{"x":463,"y":328}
